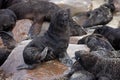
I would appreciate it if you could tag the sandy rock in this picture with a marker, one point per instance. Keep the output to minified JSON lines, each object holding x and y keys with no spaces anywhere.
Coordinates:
{"x":76,"y":6}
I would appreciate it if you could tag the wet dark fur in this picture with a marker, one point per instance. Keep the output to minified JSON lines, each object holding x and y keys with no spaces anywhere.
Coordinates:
{"x":96,"y":41}
{"x":99,"y":16}
{"x":113,"y":35}
{"x":56,"y":39}
{"x":6,"y":3}
{"x":103,"y":68}
{"x":7,"y":20}
{"x":9,"y":45}
{"x":40,"y":11}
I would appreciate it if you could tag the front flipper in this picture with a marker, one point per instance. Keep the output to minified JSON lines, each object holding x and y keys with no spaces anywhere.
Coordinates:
{"x":7,"y":39}
{"x":37,"y":58}
{"x":65,"y":59}
{"x":24,"y":66}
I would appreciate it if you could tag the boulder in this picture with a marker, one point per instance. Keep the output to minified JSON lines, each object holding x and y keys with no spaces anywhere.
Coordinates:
{"x":115,"y":23}
{"x":97,"y":3}
{"x":21,"y":29}
{"x":75,"y":6}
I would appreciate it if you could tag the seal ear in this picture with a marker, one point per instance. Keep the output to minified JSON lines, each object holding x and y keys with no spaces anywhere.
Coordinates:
{"x":7,"y":39}
{"x":44,"y":53}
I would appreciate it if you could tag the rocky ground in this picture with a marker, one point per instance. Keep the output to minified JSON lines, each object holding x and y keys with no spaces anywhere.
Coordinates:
{"x":51,"y":69}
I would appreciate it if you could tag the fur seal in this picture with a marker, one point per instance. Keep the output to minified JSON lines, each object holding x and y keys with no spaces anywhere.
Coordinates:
{"x":52,"y":45}
{"x":96,"y":41}
{"x":99,"y":16}
{"x":103,"y":68}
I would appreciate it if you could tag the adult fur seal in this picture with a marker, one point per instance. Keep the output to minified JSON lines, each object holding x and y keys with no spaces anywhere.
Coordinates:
{"x":99,"y":16}
{"x":52,"y":45}
{"x":40,"y":11}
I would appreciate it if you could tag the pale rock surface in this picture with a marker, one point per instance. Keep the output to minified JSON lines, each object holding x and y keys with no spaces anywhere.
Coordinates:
{"x":75,"y":6}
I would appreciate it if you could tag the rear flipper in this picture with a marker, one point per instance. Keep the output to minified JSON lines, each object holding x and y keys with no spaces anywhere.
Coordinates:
{"x":65,"y":59}
{"x":25,"y":66}
{"x":7,"y":39}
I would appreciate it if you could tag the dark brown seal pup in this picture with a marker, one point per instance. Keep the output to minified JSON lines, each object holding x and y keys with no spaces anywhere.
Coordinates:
{"x":96,"y":41}
{"x":111,"y":34}
{"x":52,"y":45}
{"x":99,"y":16}
{"x":7,"y":20}
{"x":40,"y":11}
{"x":9,"y":45}
{"x":103,"y":68}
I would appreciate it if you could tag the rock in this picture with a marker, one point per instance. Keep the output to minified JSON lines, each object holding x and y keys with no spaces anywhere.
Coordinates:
{"x":97,"y":3}
{"x":76,"y":6}
{"x":48,"y":70}
{"x":117,"y":5}
{"x":80,"y":18}
{"x":72,"y":48}
{"x":75,"y":39}
{"x":1,"y":43}
{"x":21,"y":29}
{"x":115,"y":23}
